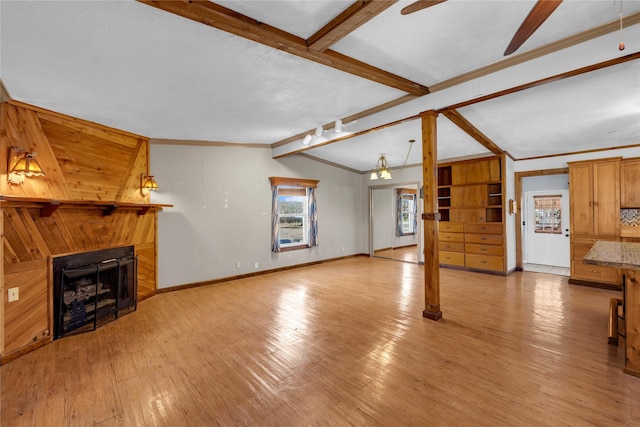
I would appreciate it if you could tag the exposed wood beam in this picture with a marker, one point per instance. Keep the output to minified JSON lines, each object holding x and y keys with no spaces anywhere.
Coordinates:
{"x":219,"y":17}
{"x":354,"y":16}
{"x":550,"y":79}
{"x":464,"y":124}
{"x":537,"y":53}
{"x":354,"y":117}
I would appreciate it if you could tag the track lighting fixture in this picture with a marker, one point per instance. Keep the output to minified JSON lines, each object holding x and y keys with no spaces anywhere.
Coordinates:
{"x":338,"y":127}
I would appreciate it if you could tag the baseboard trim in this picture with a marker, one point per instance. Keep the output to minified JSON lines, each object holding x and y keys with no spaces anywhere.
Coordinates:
{"x":257,"y":273}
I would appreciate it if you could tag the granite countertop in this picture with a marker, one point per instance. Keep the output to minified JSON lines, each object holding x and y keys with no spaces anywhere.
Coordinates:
{"x":614,"y":254}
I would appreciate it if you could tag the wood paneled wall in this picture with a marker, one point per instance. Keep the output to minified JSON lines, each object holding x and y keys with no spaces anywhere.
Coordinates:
{"x":83,"y":161}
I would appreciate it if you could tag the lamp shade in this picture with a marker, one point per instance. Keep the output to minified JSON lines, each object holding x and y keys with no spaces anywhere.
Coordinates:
{"x":149,"y":183}
{"x":27,"y":165}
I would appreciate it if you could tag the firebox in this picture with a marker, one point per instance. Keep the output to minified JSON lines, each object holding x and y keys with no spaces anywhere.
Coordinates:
{"x":91,"y":289}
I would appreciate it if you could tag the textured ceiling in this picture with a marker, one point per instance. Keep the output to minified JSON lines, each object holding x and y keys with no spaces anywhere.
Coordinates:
{"x":137,"y":68}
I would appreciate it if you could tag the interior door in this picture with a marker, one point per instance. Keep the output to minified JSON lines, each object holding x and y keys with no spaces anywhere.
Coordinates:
{"x":547,"y":228}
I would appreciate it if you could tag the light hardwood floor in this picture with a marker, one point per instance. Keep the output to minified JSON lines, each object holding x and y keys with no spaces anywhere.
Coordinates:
{"x":335,"y":344}
{"x":404,"y":253}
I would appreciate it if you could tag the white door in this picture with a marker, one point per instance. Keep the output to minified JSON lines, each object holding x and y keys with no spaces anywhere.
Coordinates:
{"x":547,"y":227}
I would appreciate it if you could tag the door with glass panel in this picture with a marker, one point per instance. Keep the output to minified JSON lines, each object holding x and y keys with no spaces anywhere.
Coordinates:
{"x":547,"y":228}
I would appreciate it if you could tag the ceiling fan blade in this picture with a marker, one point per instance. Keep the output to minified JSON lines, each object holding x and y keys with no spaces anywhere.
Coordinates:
{"x":540,"y":12}
{"x":419,"y":5}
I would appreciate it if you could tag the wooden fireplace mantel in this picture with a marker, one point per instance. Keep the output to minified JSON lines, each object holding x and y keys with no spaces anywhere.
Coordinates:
{"x":49,"y":206}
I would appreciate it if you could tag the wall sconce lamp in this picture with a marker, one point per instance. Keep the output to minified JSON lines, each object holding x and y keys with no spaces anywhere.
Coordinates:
{"x":147,"y":183}
{"x":21,"y":164}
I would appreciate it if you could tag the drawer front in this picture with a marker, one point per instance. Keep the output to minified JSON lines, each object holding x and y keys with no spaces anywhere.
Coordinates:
{"x":485,"y":262}
{"x":484,"y":239}
{"x":473,"y":248}
{"x":451,"y":246}
{"x":485,"y":228}
{"x":452,"y":258}
{"x":451,"y":237}
{"x":594,"y":273}
{"x":450,"y":227}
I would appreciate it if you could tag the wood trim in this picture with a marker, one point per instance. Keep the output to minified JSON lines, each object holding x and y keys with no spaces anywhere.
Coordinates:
{"x":161,"y":141}
{"x":551,"y":79}
{"x":294,"y":182}
{"x":595,"y":150}
{"x":257,"y":273}
{"x":327,"y":162}
{"x":480,"y":72}
{"x":518,"y":197}
{"x":216,"y":16}
{"x":464,"y":124}
{"x":4,"y":93}
{"x":6,"y":358}
{"x":342,"y":25}
{"x":347,"y":120}
{"x":49,"y":206}
{"x":537,"y":53}
{"x":498,"y":94}
{"x":364,"y":132}
{"x":2,"y":290}
{"x":87,"y":126}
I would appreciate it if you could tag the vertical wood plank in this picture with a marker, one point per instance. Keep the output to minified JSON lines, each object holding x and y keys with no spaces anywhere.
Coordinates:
{"x":430,"y":216}
{"x":2,"y":288}
{"x":632,"y":322}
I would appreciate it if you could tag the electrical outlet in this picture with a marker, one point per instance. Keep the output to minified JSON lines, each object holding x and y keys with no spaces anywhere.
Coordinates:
{"x":237,"y":265}
{"x":256,"y":265}
{"x":13,"y":295}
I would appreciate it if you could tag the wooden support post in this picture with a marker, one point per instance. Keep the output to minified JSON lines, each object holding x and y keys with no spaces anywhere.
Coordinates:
{"x":430,"y":216}
{"x":632,"y":321}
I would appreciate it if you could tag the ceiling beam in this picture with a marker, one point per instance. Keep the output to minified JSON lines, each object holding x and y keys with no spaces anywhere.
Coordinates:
{"x":354,"y":16}
{"x":583,"y":70}
{"x":224,"y":19}
{"x":464,"y":124}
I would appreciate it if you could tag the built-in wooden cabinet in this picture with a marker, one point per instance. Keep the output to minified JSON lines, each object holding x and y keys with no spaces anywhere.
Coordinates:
{"x":476,"y":246}
{"x":594,"y":188}
{"x":630,"y":183}
{"x":471,"y":191}
{"x":470,"y":202}
{"x":594,"y":191}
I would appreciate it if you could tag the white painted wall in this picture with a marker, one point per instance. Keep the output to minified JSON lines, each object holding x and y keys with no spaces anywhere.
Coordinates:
{"x":222,"y":211}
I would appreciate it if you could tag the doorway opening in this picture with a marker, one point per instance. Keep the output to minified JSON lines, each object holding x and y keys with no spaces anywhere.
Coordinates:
{"x":394,"y":226}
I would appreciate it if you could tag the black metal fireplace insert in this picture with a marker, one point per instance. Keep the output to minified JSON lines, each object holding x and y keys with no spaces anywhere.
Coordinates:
{"x":91,"y":289}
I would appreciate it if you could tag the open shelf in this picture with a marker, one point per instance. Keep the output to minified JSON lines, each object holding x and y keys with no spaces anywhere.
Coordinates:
{"x":49,"y":206}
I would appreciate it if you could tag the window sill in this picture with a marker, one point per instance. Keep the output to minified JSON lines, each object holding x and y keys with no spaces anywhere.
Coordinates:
{"x":293,"y":248}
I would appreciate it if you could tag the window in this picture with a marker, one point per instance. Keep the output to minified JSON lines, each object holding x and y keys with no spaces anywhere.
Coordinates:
{"x":548,"y":213}
{"x":294,"y":223}
{"x":407,"y":209}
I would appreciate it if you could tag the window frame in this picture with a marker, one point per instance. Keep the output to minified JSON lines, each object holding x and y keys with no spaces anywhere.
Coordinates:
{"x":295,"y":183}
{"x":407,"y":194}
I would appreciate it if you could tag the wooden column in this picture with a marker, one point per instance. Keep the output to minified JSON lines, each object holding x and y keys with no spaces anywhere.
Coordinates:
{"x":632,"y":321}
{"x":430,"y":216}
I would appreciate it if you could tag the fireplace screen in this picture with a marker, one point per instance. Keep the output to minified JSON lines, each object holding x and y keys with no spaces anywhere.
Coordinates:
{"x":93,"y":288}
